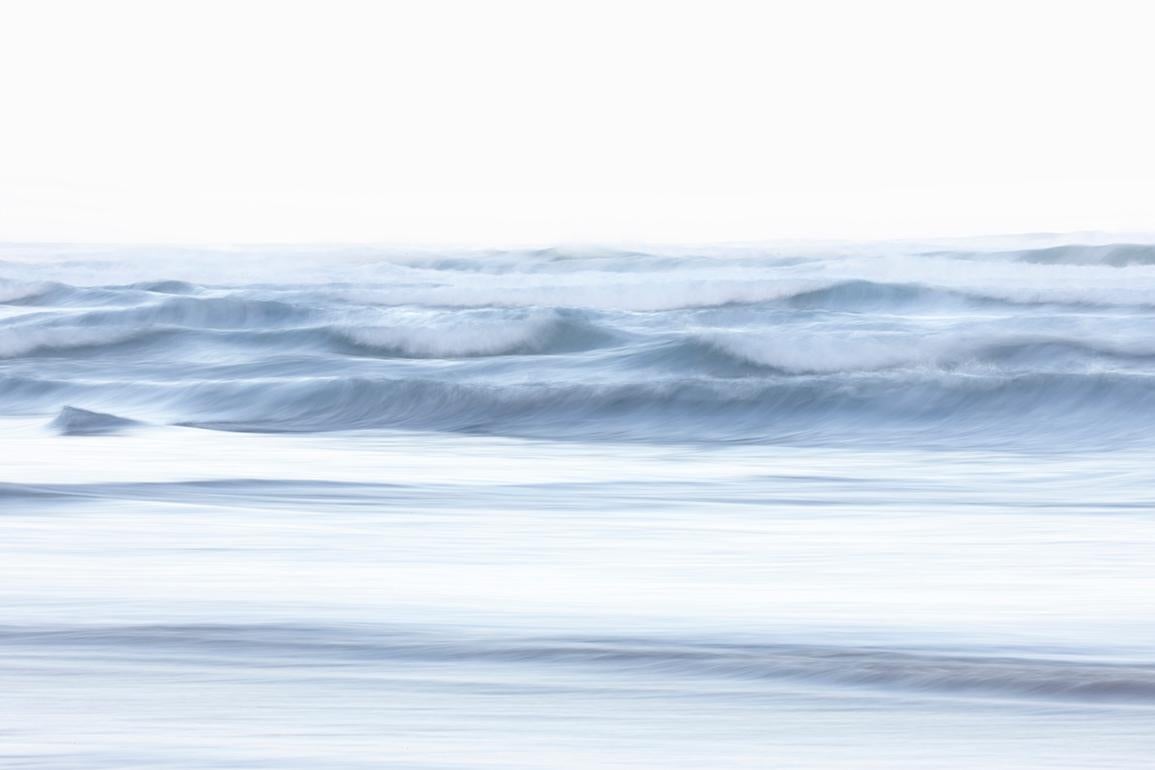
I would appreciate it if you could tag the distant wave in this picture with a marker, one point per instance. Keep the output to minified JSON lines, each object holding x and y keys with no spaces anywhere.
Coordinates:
{"x":682,"y":292}
{"x":960,"y":290}
{"x":829,"y":354}
{"x":1109,"y":254}
{"x":21,"y":341}
{"x":539,"y":334}
{"x":165,"y":287}
{"x":1006,"y":347}
{"x":14,"y":292}
{"x":203,"y":312}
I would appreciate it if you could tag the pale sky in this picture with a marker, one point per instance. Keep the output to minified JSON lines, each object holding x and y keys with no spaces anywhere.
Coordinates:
{"x":495,"y":121}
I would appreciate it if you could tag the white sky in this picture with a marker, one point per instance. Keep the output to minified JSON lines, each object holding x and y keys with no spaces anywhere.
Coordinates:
{"x":499,"y":122}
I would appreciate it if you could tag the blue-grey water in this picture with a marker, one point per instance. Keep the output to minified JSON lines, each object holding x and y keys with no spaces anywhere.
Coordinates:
{"x":800,"y":507}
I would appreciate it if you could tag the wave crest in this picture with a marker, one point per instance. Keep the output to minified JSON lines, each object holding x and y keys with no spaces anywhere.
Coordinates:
{"x":480,"y":336}
{"x":73,"y":421}
{"x":849,"y":353}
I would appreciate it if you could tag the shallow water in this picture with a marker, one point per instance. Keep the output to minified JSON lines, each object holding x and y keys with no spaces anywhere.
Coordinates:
{"x":871,"y":506}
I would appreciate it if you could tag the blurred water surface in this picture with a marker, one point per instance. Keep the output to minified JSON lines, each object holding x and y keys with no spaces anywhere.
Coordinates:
{"x":858,"y":506}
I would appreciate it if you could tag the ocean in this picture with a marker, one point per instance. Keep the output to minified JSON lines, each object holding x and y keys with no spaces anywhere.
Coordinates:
{"x":802,"y":506}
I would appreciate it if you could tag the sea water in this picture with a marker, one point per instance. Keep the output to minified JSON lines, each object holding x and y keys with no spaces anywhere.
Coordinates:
{"x":796,"y":506}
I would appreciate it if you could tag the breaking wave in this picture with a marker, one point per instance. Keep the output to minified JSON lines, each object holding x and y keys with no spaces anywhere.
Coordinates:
{"x":983,"y":347}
